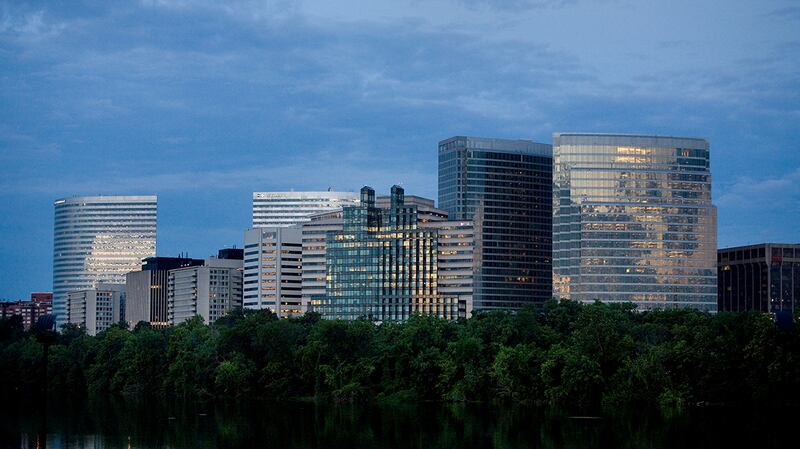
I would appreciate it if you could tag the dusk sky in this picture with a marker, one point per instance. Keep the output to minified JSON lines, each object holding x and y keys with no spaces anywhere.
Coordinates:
{"x":203,"y":103}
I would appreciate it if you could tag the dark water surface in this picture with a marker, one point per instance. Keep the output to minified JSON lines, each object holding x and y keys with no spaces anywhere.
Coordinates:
{"x":430,"y":426}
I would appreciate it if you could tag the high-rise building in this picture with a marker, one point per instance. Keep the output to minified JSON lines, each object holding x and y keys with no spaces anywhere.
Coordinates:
{"x":98,"y":239}
{"x":40,"y":304}
{"x":314,"y":236}
{"x":383,"y":265}
{"x":763,"y":277}
{"x":96,"y":309}
{"x":633,"y":220}
{"x":281,"y":209}
{"x":273,"y":270}
{"x":210,"y":290}
{"x":505,"y":188}
{"x":146,"y":290}
{"x":456,"y":261}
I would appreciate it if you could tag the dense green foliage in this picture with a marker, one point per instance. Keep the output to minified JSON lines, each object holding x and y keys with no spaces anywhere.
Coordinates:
{"x":565,"y":354}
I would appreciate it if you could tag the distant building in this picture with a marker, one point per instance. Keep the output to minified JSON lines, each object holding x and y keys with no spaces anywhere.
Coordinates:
{"x":273,"y":270}
{"x":505,"y":188}
{"x":763,"y":277}
{"x":146,"y":290}
{"x":231,"y":253}
{"x":456,"y":261}
{"x":383,"y":265}
{"x":30,"y":311}
{"x":98,"y":239}
{"x":281,"y":209}
{"x":314,"y":235}
{"x":96,"y":309}
{"x":633,"y":221}
{"x":210,"y":290}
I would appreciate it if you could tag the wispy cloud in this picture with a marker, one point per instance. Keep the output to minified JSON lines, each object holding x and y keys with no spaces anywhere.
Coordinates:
{"x":759,"y":195}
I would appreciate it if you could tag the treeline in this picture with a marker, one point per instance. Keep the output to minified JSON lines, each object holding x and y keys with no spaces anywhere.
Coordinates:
{"x":565,"y":354}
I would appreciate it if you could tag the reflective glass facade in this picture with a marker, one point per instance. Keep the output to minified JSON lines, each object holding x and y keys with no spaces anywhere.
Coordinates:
{"x":505,"y":188}
{"x":99,"y":239}
{"x":382,"y":265}
{"x":633,"y":220}
{"x":763,"y":277}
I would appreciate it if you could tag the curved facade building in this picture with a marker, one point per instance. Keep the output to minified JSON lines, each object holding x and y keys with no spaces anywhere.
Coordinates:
{"x":98,"y":239}
{"x":633,"y":220}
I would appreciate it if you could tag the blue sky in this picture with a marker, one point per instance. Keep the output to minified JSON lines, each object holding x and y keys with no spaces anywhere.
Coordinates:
{"x":203,"y":102}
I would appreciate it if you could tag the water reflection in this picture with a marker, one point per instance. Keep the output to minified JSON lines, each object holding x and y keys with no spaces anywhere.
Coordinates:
{"x":306,"y":425}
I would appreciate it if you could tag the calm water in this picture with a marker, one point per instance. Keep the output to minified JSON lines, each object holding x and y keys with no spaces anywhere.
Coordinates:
{"x":430,"y":426}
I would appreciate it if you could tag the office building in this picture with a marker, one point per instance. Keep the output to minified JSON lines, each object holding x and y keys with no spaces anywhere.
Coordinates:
{"x":456,"y":261}
{"x":763,"y":277}
{"x":210,"y":290}
{"x":231,"y":253}
{"x":314,"y":236}
{"x":273,"y":270}
{"x":40,"y":304}
{"x":633,"y":221}
{"x":505,"y":188}
{"x":281,"y":209}
{"x":146,"y":290}
{"x":96,"y":309}
{"x":383,"y":265}
{"x":99,"y":239}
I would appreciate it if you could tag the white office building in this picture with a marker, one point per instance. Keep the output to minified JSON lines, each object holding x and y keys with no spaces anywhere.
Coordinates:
{"x":210,"y":290}
{"x":456,"y":261}
{"x":281,"y":209}
{"x":314,"y":244}
{"x":98,"y":239}
{"x":273,"y":269}
{"x":96,"y":309}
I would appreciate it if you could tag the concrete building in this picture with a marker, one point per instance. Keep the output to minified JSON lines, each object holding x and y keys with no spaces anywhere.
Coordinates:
{"x":96,"y":309}
{"x":763,"y":277}
{"x":211,"y":290}
{"x":314,"y":235}
{"x":456,"y":261}
{"x":273,"y":270}
{"x":40,"y":304}
{"x":633,"y":221}
{"x":505,"y":188}
{"x":146,"y":290}
{"x":281,"y":209}
{"x":99,"y":239}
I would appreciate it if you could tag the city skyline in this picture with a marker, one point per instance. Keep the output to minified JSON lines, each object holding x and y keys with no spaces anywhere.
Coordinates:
{"x":204,"y":105}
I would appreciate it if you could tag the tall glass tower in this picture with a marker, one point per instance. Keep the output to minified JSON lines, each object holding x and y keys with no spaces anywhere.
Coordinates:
{"x":633,"y":220}
{"x":98,"y":239}
{"x":383,"y":265}
{"x":505,"y":187}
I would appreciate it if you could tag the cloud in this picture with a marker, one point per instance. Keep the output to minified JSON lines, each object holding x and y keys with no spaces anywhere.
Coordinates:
{"x":28,"y":26}
{"x":754,"y":195}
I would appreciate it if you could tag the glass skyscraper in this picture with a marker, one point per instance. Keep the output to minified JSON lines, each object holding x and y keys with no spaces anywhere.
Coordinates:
{"x":633,"y":220}
{"x":98,"y":239}
{"x":382,"y":265}
{"x":505,"y":188}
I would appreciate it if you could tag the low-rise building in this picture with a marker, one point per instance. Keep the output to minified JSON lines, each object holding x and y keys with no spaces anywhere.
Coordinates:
{"x":146,"y":290}
{"x":41,"y":303}
{"x":96,"y":309}
{"x":210,"y":291}
{"x":764,"y":277}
